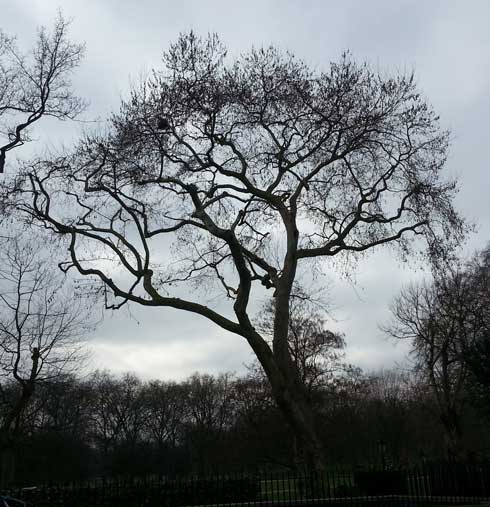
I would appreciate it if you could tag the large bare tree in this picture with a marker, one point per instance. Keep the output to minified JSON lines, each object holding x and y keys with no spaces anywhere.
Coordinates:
{"x":238,"y":173}
{"x":41,"y":325}
{"x":36,"y":84}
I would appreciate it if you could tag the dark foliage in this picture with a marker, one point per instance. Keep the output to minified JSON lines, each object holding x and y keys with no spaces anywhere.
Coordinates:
{"x":67,"y":434}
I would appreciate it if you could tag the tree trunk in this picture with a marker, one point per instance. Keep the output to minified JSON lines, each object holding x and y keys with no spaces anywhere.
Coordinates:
{"x":297,"y":412}
{"x":292,"y":400}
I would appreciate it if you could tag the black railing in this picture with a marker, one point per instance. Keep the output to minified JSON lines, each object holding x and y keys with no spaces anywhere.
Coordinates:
{"x":416,"y":486}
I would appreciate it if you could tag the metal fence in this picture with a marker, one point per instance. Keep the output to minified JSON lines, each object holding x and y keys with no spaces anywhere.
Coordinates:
{"x":416,"y":486}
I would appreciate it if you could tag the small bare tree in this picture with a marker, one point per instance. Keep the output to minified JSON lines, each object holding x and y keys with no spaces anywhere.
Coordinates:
{"x":317,"y":352}
{"x":36,"y":84}
{"x":249,"y":170}
{"x":41,"y":326}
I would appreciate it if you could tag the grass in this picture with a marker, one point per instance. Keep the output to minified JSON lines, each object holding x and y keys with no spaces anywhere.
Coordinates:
{"x":295,"y":488}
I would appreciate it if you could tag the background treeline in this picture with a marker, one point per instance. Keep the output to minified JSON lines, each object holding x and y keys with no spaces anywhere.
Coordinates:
{"x":57,"y":425}
{"x":114,"y":425}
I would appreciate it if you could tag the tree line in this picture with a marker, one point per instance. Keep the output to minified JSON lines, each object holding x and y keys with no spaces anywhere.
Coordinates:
{"x":107,"y":425}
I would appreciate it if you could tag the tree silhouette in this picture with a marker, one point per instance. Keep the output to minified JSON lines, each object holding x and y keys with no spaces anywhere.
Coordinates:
{"x":263,"y":165}
{"x":41,"y":326}
{"x":447,"y":319}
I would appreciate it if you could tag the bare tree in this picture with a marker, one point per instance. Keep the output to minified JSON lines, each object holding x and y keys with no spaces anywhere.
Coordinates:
{"x":211,"y":410}
{"x":119,"y":412}
{"x":443,"y":319}
{"x":167,"y":409}
{"x":248,"y":170}
{"x":36,"y":84}
{"x":40,"y":331}
{"x":477,"y":354}
{"x":315,"y":350}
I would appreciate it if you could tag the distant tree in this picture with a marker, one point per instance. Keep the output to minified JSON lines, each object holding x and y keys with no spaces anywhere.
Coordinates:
{"x":444,"y":319}
{"x":64,"y":404}
{"x":105,"y":423}
{"x":250,"y":170}
{"x":41,"y":325}
{"x":36,"y":84}
{"x":316,"y":351}
{"x":167,"y":413}
{"x":56,"y":442}
{"x":477,"y":359}
{"x":342,"y":420}
{"x":477,"y":354}
{"x":389,"y":402}
{"x":119,"y":417}
{"x":210,"y":404}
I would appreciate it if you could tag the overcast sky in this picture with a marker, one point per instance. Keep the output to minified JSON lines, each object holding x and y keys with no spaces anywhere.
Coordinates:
{"x":446,"y":43}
